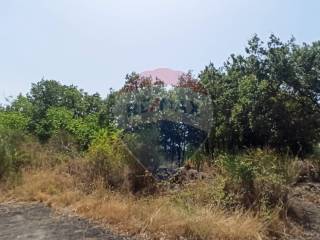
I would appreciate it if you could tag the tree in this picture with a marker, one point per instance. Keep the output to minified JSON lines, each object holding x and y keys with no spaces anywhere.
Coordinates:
{"x":267,"y":97}
{"x":51,"y":99}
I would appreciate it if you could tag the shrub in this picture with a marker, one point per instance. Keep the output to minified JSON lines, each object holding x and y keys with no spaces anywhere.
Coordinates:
{"x":64,"y":143}
{"x":13,"y":120}
{"x":198,"y":159}
{"x":259,"y":177}
{"x":107,"y":156}
{"x":11,"y":157}
{"x":111,"y":161}
{"x":315,"y":158}
{"x":238,"y":168}
{"x":84,"y":130}
{"x":202,"y":194}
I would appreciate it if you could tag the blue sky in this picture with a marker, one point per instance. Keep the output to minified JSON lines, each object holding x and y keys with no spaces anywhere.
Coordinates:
{"x":94,"y":43}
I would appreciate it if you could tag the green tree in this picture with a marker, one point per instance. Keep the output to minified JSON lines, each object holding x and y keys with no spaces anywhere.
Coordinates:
{"x":267,"y":97}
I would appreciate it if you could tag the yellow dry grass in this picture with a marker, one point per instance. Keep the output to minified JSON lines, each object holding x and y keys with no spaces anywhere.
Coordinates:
{"x":156,"y":217}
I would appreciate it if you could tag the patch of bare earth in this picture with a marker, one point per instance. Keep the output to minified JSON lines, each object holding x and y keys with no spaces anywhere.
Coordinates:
{"x":304,"y":210}
{"x":38,"y":222}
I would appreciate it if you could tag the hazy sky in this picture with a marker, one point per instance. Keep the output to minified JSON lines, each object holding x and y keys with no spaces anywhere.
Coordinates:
{"x":94,"y":43}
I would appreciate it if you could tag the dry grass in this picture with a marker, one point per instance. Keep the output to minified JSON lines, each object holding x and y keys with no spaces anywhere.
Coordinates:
{"x":156,"y":217}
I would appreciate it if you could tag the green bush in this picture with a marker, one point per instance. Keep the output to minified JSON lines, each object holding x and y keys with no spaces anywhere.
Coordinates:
{"x":107,"y":156}
{"x":12,"y":159}
{"x":239,"y":169}
{"x":13,"y":120}
{"x":13,"y":126}
{"x":85,"y":130}
{"x":258,"y":176}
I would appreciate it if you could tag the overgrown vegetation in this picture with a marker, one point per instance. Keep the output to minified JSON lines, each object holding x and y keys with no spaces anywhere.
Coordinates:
{"x":265,"y":115}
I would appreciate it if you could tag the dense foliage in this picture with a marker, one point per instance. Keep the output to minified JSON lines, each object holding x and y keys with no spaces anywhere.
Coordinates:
{"x":267,"y":97}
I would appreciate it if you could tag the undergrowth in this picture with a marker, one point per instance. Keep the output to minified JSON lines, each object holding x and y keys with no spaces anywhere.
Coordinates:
{"x":242,"y":197}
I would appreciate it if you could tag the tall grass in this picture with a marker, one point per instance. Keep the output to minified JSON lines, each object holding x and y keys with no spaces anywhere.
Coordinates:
{"x":241,"y":198}
{"x":157,"y":217}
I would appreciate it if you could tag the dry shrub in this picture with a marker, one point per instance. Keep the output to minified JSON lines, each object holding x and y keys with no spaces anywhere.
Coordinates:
{"x":309,"y":170}
{"x":275,"y":223}
{"x":81,"y":170}
{"x":159,"y":217}
{"x":224,"y":226}
{"x":129,"y":179}
{"x":64,"y":142}
{"x":156,"y":216}
{"x":43,"y":156}
{"x":210,"y":192}
{"x":38,"y":184}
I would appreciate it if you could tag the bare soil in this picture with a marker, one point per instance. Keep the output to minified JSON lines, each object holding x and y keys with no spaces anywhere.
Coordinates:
{"x":37,"y":222}
{"x":304,"y":209}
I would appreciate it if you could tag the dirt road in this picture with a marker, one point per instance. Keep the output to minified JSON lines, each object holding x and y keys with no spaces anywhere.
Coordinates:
{"x":37,"y":222}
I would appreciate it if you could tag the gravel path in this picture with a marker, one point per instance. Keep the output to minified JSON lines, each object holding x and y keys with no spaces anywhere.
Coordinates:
{"x":37,"y":222}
